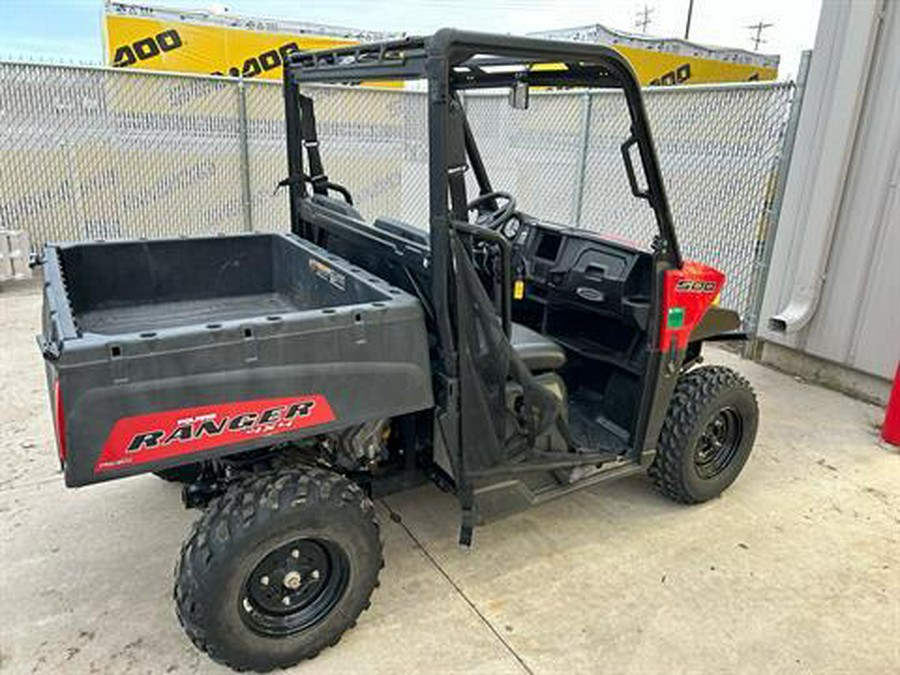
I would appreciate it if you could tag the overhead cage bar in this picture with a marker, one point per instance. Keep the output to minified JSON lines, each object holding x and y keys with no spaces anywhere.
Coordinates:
{"x":458,"y":60}
{"x":467,"y":55}
{"x":396,"y":59}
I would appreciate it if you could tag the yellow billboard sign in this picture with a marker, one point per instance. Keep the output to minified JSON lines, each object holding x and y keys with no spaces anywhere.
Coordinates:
{"x":660,"y":69}
{"x":202,"y":42}
{"x":154,"y":38}
{"x":669,"y":61}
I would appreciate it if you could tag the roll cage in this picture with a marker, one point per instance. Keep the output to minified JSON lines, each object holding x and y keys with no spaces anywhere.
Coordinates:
{"x":453,"y":61}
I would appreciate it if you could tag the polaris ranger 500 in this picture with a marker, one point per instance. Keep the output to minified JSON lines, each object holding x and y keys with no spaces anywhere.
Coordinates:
{"x":289,"y":379}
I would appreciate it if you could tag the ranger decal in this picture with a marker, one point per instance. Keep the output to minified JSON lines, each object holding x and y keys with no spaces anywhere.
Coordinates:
{"x":156,"y":436}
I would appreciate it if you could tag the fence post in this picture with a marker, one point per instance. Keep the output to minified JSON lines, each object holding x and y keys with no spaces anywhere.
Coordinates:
{"x":243,"y":140}
{"x":72,"y":176}
{"x":582,"y":157}
{"x":764,"y":258}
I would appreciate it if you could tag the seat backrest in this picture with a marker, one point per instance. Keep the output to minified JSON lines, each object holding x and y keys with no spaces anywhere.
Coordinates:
{"x":399,"y":228}
{"x":337,"y":205}
{"x":391,"y":254}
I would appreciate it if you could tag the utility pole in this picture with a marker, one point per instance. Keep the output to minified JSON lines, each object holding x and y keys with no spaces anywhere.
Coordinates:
{"x":759,"y":28}
{"x":643,"y":19}
{"x":687,"y":26}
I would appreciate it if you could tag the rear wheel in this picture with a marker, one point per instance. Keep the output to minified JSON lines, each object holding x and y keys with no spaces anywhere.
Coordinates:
{"x":278,"y":568}
{"x":707,"y":435}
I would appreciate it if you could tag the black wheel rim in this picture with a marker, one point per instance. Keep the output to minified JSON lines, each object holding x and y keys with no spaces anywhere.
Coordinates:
{"x":719,"y":443}
{"x":294,"y":587}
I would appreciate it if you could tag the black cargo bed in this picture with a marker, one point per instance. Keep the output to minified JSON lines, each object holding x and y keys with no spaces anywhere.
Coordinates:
{"x":139,"y":286}
{"x":142,"y":318}
{"x":144,"y":337}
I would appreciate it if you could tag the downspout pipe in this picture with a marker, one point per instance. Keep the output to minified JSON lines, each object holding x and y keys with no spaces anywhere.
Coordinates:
{"x":841,"y":63}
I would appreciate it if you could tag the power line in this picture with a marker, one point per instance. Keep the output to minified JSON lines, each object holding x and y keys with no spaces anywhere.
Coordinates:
{"x":643,"y":19}
{"x":759,"y":28}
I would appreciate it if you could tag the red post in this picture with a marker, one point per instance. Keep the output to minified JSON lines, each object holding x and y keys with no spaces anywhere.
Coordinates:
{"x":891,"y":429}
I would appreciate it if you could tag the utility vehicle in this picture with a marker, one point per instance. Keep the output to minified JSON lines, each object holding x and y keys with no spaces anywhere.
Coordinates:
{"x":291,"y":379}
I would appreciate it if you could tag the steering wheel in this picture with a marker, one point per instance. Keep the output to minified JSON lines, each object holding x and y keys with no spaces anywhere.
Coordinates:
{"x":494,"y":218}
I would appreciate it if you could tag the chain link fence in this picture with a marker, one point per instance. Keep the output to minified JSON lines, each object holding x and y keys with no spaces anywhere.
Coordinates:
{"x":98,"y":153}
{"x":94,"y":153}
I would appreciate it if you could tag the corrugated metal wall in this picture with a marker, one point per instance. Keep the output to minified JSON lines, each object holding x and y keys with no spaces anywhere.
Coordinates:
{"x":857,"y":319}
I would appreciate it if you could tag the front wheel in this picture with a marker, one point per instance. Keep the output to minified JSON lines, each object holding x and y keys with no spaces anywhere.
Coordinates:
{"x":707,"y":435}
{"x":278,"y":568}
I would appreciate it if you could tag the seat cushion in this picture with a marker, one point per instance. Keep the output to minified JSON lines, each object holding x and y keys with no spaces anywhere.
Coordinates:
{"x":537,"y":351}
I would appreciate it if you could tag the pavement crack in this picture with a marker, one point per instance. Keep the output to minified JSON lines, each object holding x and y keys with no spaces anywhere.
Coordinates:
{"x":397,"y":518}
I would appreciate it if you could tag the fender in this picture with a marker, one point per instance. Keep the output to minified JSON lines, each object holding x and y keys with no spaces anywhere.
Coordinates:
{"x":687,"y":294}
{"x":718,"y":324}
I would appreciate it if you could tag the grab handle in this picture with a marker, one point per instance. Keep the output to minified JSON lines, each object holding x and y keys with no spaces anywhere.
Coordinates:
{"x":629,"y":169}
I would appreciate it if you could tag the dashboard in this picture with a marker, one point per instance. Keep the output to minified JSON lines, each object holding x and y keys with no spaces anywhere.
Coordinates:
{"x":591,"y":293}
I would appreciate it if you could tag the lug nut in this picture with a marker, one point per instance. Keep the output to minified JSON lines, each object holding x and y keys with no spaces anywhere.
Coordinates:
{"x":295,"y":553}
{"x":285,"y":600}
{"x":314,"y":574}
{"x":264,"y":581}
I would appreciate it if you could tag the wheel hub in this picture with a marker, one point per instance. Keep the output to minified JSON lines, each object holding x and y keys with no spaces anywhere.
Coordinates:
{"x":294,"y":587}
{"x":718,"y":443}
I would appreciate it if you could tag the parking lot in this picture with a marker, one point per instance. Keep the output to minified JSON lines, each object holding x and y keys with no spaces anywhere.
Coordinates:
{"x":794,"y":569}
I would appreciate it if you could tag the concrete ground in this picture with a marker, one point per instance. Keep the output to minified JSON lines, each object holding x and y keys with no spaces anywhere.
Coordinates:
{"x":796,"y":569}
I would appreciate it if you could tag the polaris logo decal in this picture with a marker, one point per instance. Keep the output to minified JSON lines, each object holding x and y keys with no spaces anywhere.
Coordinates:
{"x":692,"y":286}
{"x":157,"y":436}
{"x":326,"y":273}
{"x":590,"y":294}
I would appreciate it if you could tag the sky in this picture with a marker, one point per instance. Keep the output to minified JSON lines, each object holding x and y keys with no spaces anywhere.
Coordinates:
{"x":69,"y":30}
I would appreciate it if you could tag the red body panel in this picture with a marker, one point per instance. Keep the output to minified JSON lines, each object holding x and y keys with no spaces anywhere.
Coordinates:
{"x":890,"y":432}
{"x":161,"y":435}
{"x":59,"y":422}
{"x":687,"y":294}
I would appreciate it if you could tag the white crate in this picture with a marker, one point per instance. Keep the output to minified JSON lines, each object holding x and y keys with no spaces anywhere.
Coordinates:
{"x":15,"y":252}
